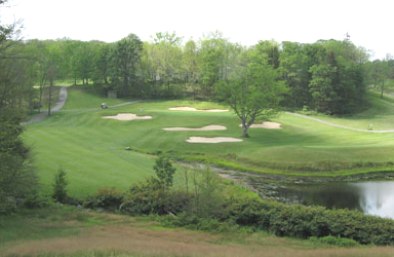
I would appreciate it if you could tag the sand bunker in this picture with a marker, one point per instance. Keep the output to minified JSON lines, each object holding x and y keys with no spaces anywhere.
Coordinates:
{"x":127,"y":117}
{"x":213,"y":140}
{"x":266,"y":125}
{"x":192,"y":109}
{"x":206,"y":128}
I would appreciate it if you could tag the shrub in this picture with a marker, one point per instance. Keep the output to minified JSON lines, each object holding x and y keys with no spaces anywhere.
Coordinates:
{"x":59,"y":187}
{"x":303,"y":221}
{"x":106,"y":198}
{"x":151,"y":198}
{"x":337,"y":241}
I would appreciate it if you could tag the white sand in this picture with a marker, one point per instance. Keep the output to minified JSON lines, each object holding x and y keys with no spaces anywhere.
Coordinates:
{"x":213,"y":140}
{"x":127,"y":117}
{"x":206,"y":128}
{"x":192,"y":109}
{"x":266,"y":125}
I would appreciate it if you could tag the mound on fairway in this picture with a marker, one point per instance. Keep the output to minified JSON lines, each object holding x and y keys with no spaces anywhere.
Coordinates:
{"x":267,"y":125}
{"x":127,"y":117}
{"x":213,"y":140}
{"x":206,"y":128}
{"x":192,"y":109}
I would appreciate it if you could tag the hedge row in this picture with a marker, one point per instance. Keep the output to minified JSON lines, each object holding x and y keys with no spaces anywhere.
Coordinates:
{"x":304,"y":221}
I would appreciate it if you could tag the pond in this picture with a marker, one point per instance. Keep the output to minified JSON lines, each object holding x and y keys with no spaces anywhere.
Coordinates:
{"x":371,"y":197}
{"x":374,"y":198}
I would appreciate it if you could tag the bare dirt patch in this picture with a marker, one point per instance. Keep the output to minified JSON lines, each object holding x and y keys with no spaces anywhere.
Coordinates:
{"x":127,"y":117}
{"x":213,"y":140}
{"x":192,"y":109}
{"x":206,"y":128}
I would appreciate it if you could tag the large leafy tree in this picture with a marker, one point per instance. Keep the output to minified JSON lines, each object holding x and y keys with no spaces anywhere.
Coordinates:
{"x":163,"y":63}
{"x":190,"y":66}
{"x":125,"y":61}
{"x":253,"y":90}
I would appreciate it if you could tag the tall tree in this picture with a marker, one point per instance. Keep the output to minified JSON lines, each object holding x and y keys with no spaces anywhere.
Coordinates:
{"x":253,"y":90}
{"x":163,"y":60}
{"x":17,"y":178}
{"x":190,"y":66}
{"x":125,"y":58}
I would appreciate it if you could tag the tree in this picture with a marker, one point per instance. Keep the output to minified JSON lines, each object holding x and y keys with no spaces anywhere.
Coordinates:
{"x":211,"y":62}
{"x":162,"y":60}
{"x":253,"y":90}
{"x":17,"y":178}
{"x":60,"y":187}
{"x":164,"y":172}
{"x":125,"y":61}
{"x":321,"y":87}
{"x":190,"y":65}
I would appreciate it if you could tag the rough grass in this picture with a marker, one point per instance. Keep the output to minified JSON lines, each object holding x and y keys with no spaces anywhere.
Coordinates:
{"x":92,"y":149}
{"x":82,"y":233}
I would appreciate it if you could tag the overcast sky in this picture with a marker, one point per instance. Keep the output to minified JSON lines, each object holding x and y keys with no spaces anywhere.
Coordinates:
{"x":368,"y":22}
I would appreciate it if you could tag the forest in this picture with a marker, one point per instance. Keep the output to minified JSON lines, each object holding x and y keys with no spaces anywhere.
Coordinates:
{"x":328,"y":76}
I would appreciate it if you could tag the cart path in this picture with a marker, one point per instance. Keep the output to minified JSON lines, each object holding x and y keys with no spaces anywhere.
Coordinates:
{"x":57,"y":107}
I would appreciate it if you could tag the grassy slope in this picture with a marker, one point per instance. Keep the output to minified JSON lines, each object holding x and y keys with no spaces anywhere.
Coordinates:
{"x":92,"y":149}
{"x":66,"y":231}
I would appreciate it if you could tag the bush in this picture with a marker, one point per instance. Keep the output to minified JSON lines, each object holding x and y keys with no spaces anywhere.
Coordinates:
{"x":305,"y":221}
{"x":151,"y":198}
{"x":194,"y":222}
{"x":106,"y":198}
{"x":59,"y":187}
{"x":337,"y":241}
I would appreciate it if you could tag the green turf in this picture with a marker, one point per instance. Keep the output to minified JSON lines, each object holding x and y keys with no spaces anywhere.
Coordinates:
{"x":92,"y":149}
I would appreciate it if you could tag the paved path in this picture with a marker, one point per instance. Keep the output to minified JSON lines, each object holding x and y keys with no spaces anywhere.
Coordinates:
{"x":43,"y":114}
{"x":338,"y":125}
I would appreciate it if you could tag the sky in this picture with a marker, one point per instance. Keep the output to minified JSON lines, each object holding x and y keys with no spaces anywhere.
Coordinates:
{"x":368,"y":22}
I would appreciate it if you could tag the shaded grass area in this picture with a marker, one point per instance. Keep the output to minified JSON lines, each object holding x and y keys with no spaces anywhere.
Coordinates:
{"x":378,"y":114}
{"x":92,"y":149}
{"x":67,"y":231}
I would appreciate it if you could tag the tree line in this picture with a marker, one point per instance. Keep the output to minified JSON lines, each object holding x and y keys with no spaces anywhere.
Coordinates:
{"x":327,"y":76}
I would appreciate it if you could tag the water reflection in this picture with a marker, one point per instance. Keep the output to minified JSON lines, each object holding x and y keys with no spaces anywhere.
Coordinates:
{"x":377,"y":198}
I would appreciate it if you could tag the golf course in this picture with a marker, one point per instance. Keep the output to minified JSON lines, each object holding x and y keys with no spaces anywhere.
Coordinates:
{"x":98,"y":148}
{"x":190,"y":146}
{"x":98,"y":152}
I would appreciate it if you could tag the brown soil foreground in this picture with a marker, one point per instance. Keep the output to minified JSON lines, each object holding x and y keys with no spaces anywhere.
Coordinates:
{"x":137,"y":241}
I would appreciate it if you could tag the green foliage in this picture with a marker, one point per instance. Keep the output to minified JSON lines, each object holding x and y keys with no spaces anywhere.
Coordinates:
{"x":17,"y":177}
{"x":154,"y":195}
{"x":106,"y":198}
{"x":253,"y":90}
{"x":150,"y":198}
{"x":337,"y":241}
{"x":321,"y":87}
{"x":125,"y":60}
{"x":60,"y":187}
{"x":164,"y":172}
{"x":304,"y":222}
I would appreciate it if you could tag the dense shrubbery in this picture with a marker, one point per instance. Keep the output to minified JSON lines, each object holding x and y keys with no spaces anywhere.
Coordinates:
{"x":302,"y":221}
{"x":106,"y":198}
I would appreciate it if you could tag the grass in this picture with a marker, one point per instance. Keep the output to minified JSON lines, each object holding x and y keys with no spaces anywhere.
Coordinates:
{"x":67,"y":231}
{"x":92,"y":149}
